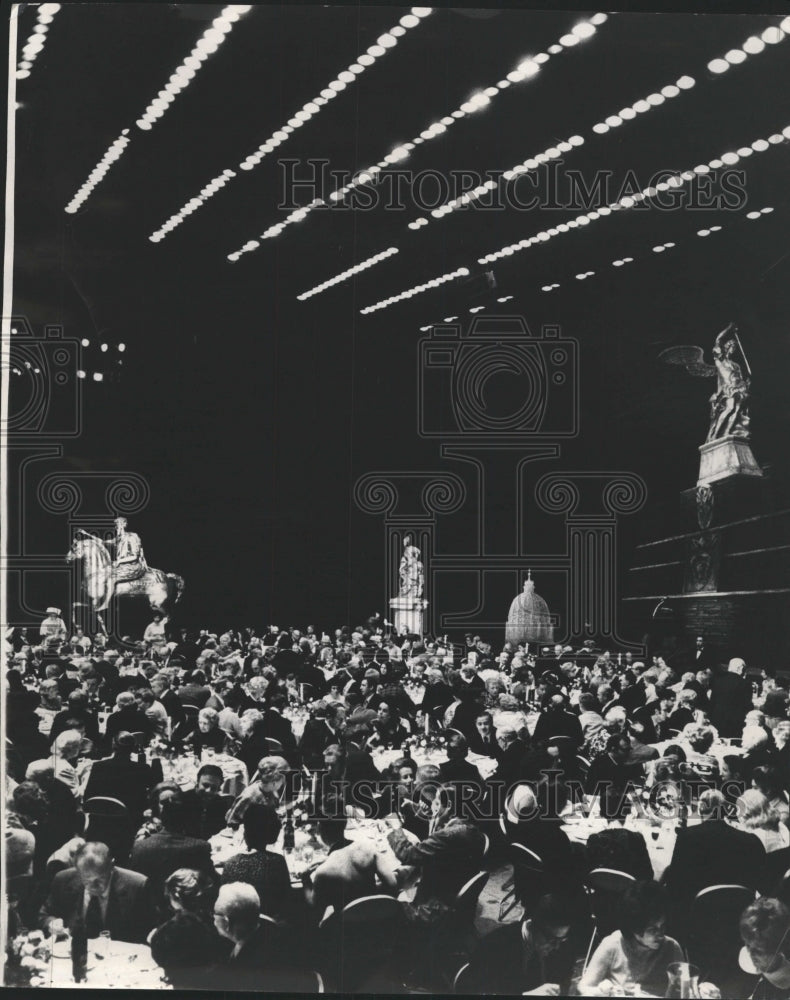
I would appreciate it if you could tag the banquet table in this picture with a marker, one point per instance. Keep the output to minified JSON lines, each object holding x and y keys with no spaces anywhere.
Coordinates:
{"x":183,"y":770}
{"x":121,"y":965}
{"x":309,"y":851}
{"x":383,"y":758}
{"x":580,"y":827}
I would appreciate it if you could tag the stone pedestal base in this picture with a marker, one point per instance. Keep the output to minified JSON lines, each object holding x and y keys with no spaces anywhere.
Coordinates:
{"x":729,"y":456}
{"x":408,"y":614}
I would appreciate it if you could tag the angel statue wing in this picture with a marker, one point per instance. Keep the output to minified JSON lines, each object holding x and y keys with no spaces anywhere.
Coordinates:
{"x":691,"y":358}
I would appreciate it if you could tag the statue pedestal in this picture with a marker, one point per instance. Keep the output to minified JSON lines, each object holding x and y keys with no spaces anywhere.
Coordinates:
{"x":408,"y":612}
{"x":729,"y":456}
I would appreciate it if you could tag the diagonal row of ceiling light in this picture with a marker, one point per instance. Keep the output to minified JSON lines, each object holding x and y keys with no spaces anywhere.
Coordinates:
{"x":442,"y":279}
{"x":626,"y":202}
{"x":620,"y":262}
{"x":344,"y":275}
{"x":309,"y":110}
{"x":527,"y":69}
{"x":180,"y":78}
{"x":751,"y":47}
{"x":36,"y":40}
{"x":639,"y":107}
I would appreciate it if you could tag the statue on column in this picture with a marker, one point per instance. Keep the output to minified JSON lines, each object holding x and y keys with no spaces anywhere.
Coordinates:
{"x":729,"y":415}
{"x":726,"y":451}
{"x":529,"y":619}
{"x":412,"y":579}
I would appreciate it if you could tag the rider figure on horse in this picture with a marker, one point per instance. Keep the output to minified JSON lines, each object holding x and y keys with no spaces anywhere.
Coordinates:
{"x":129,"y":562}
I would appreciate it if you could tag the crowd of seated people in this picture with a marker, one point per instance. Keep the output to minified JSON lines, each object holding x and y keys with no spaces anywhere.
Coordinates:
{"x":520,"y":742}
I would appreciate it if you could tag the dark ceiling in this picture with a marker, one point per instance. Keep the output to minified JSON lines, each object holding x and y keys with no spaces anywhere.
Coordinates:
{"x":252,"y":414}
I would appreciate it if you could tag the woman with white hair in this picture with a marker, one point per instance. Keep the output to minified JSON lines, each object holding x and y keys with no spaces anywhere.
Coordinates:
{"x":207,"y":735}
{"x":269,"y":787}
{"x":757,"y":815}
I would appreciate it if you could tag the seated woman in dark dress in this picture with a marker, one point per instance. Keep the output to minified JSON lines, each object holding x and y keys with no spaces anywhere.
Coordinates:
{"x":265,"y":870}
{"x":388,"y":730}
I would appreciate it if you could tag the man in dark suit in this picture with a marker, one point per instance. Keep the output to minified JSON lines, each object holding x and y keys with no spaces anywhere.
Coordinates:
{"x":162,"y":853}
{"x":120,"y":777}
{"x":204,"y":808}
{"x":105,"y":897}
{"x":483,"y":740}
{"x":128,"y":718}
{"x":275,"y":727}
{"x":77,"y":709}
{"x":730,"y":699}
{"x":166,"y":696}
{"x":259,"y":947}
{"x":556,"y":721}
{"x":632,"y":695}
{"x":320,"y":733}
{"x":713,"y":853}
{"x":457,"y":769}
{"x":195,"y":692}
{"x":447,"y":858}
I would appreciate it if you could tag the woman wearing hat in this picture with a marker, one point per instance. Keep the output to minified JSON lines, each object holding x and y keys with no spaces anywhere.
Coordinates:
{"x":53,"y":626}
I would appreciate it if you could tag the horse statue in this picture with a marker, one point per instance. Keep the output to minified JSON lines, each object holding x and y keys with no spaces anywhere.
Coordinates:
{"x":99,"y":584}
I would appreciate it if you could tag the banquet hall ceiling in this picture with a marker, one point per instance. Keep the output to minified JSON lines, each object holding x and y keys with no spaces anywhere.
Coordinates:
{"x":214,"y":345}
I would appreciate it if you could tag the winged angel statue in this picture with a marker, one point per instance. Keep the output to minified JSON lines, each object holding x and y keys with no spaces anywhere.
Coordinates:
{"x":729,"y":404}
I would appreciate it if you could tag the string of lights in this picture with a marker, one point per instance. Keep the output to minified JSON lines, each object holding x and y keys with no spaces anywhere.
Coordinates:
{"x":182,"y":76}
{"x":753,"y":46}
{"x":37,"y":39}
{"x":99,"y":172}
{"x":416,"y":290}
{"x":752,"y":215}
{"x":628,"y":201}
{"x":362,"y":266}
{"x":308,"y":111}
{"x":526,"y":69}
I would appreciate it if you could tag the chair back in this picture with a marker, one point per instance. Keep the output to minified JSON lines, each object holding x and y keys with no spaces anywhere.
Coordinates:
{"x":462,"y":980}
{"x":583,"y":765}
{"x":565,"y":744}
{"x":191,"y":712}
{"x":714,"y":927}
{"x":469,"y":893}
{"x":140,"y":738}
{"x":273,"y":746}
{"x":371,"y":909}
{"x":783,"y":889}
{"x":523,"y":857}
{"x":609,"y":880}
{"x":105,"y":806}
{"x":776,"y":865}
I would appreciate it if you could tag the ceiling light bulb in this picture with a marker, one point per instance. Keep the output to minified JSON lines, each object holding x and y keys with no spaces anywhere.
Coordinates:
{"x":583,"y":30}
{"x":772,"y":35}
{"x":718,"y":66}
{"x":685,"y":82}
{"x":568,"y":41}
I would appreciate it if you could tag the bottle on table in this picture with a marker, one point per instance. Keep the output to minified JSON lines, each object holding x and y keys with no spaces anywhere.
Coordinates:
{"x":79,"y":951}
{"x":289,"y":840}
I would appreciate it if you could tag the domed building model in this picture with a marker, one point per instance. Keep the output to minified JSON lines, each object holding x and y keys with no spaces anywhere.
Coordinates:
{"x":529,"y":619}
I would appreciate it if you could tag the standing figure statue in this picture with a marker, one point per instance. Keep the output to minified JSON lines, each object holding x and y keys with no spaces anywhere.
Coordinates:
{"x":412,"y":578}
{"x":129,"y":562}
{"x":729,"y":414}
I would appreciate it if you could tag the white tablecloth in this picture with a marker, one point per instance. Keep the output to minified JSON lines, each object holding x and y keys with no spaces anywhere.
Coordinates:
{"x":308,"y":849}
{"x":184,"y":770}
{"x":383,"y":758}
{"x":125,"y":966}
{"x":579,"y":828}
